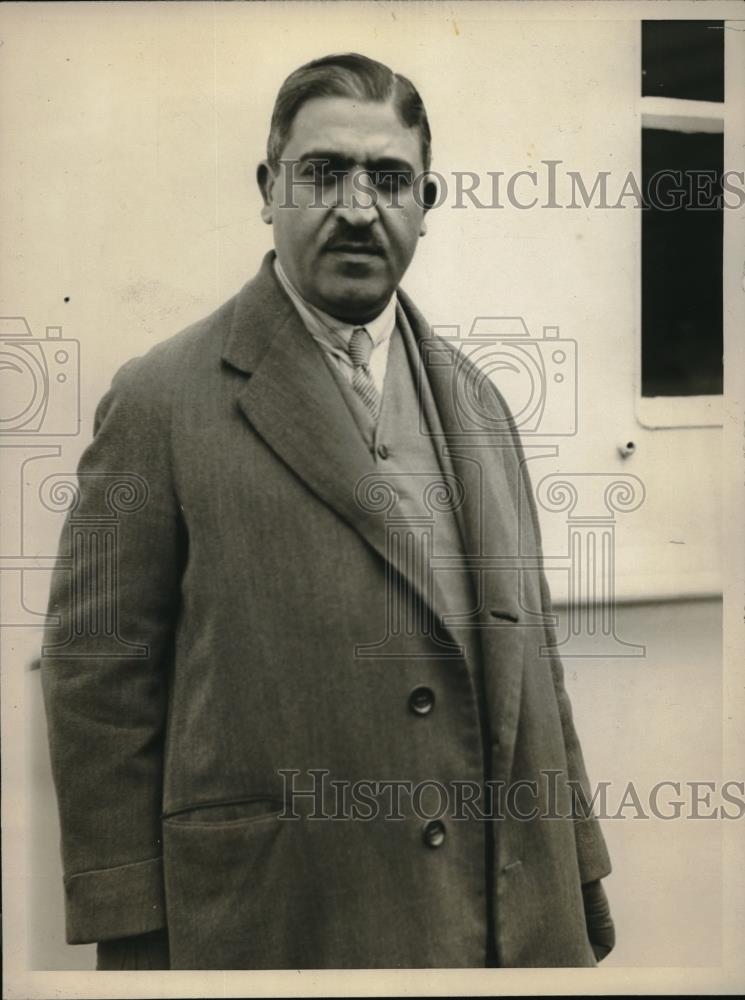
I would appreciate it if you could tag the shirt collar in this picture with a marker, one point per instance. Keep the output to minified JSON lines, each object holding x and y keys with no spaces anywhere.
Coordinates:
{"x":334,"y":331}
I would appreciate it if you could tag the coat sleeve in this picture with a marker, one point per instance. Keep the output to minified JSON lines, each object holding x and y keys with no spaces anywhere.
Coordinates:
{"x":592,"y":853}
{"x":105,"y":661}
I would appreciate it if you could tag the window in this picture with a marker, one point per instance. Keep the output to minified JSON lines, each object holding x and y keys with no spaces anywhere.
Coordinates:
{"x":682,"y":159}
{"x":683,"y":59}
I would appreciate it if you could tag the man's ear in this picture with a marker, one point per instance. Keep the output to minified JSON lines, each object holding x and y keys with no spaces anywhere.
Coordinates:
{"x":430,"y":192}
{"x":265,"y":179}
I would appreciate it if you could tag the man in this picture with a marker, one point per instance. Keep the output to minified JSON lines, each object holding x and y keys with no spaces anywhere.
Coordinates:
{"x":317,"y":616}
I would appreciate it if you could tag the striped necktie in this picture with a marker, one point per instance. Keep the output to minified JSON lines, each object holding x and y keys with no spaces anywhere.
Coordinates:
{"x":360,"y":348}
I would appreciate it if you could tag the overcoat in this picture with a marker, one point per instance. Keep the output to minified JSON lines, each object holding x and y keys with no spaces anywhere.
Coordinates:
{"x":223,"y":584}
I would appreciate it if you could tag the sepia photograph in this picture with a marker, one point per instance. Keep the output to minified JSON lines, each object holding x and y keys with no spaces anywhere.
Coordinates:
{"x":373,"y":467}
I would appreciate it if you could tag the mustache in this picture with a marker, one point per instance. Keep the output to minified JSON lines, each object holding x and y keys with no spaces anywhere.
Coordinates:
{"x":354,"y":243}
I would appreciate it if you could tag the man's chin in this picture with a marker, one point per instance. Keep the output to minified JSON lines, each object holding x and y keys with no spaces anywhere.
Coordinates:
{"x":355,"y":301}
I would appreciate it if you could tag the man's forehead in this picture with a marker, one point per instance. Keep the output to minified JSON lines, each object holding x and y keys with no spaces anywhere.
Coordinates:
{"x":355,"y":129}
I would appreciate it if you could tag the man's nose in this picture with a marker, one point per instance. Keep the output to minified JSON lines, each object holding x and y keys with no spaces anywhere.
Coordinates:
{"x":356,"y":201}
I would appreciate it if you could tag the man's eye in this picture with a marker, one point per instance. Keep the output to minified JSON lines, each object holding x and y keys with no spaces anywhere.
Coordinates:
{"x":391,"y":180}
{"x":322,"y":174}
{"x":333,"y":176}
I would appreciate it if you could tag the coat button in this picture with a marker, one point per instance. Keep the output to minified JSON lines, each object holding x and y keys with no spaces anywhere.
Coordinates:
{"x":382,"y":451}
{"x":434,"y":833}
{"x":422,"y":701}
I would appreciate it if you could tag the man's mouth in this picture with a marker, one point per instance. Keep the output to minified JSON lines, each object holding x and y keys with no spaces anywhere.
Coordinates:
{"x":361,"y":249}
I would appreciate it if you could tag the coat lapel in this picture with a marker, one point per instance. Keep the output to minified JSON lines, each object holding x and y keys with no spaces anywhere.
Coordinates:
{"x":488,"y":468}
{"x":291,"y":399}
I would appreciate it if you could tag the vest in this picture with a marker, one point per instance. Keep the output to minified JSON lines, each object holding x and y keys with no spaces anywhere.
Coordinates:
{"x":424,"y":494}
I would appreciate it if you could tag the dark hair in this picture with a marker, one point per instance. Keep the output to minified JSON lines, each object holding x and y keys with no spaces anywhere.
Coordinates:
{"x":347,"y":75}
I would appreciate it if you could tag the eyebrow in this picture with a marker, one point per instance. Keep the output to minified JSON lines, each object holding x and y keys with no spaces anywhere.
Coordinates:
{"x":390,"y":164}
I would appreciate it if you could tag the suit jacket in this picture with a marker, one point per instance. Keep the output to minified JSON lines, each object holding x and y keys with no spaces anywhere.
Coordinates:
{"x":209,"y":644}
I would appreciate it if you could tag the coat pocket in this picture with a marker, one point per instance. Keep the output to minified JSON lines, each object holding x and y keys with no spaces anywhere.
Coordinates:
{"x":224,"y":864}
{"x":226,"y":812}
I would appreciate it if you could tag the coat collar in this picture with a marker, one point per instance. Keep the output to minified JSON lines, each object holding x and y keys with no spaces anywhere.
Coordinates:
{"x":260,"y":310}
{"x":292,"y":400}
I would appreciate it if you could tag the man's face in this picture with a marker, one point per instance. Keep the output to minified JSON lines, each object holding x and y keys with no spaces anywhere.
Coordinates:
{"x":345,"y":233}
